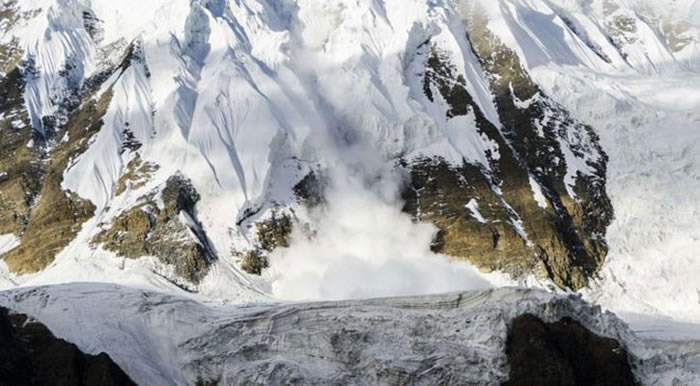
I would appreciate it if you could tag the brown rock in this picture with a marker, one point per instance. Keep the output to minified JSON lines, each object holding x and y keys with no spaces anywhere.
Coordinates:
{"x":58,"y":216}
{"x":564,"y":240}
{"x":149,"y":230}
{"x":273,"y":233}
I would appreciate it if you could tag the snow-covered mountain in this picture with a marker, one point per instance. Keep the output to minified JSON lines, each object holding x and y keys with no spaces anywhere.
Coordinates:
{"x":267,"y":150}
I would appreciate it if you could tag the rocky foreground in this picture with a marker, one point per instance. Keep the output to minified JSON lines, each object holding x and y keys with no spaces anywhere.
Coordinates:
{"x":31,"y":355}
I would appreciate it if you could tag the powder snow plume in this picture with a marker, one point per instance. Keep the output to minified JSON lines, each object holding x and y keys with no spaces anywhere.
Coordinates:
{"x":364,"y":246}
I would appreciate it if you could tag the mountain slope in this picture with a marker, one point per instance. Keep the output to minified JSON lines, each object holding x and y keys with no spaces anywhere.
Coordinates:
{"x":210,"y":146}
{"x":648,"y":124}
{"x":225,"y":96}
{"x":254,"y":151}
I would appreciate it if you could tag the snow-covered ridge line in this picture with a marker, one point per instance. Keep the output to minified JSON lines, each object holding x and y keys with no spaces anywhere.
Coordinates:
{"x":169,"y":340}
{"x":602,"y":35}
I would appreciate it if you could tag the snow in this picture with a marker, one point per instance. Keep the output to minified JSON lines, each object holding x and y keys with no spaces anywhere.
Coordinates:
{"x":374,"y":252}
{"x":571,"y":33}
{"x":52,"y":40}
{"x":8,"y":243}
{"x":662,"y":328}
{"x":126,"y":21}
{"x":650,"y":128}
{"x":537,"y":193}
{"x":517,"y":225}
{"x":18,"y":124}
{"x":473,"y":207}
{"x":234,"y":96}
{"x":130,"y":110}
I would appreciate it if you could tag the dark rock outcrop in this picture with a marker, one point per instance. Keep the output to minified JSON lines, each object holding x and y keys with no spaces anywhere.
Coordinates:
{"x":564,"y":353}
{"x":30,"y":355}
{"x":275,"y":230}
{"x":93,"y":26}
{"x":272,"y":233}
{"x":309,"y":190}
{"x":170,"y":232}
{"x":136,"y":175}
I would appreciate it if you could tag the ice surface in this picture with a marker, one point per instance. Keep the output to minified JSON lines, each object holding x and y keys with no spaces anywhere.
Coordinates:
{"x":165,"y":339}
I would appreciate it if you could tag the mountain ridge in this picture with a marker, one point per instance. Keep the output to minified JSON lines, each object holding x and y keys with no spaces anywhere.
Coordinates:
{"x":245,"y":101}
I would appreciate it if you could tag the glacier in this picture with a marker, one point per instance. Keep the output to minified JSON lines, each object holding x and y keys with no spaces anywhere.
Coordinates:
{"x":172,"y":340}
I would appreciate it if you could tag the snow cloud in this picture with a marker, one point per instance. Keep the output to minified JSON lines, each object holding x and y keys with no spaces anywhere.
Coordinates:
{"x":365,"y":246}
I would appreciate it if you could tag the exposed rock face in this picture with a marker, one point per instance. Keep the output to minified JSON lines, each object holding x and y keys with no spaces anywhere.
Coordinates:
{"x":171,"y":232}
{"x":275,"y":231}
{"x":491,"y":213}
{"x":137,"y":174}
{"x":272,"y":233}
{"x":676,"y":35}
{"x":92,"y":26}
{"x":564,"y":353}
{"x":58,"y":215}
{"x":10,"y":14}
{"x":309,"y":190}
{"x":31,"y":355}
{"x":33,"y":204}
{"x":485,"y":234}
{"x":45,"y":216}
{"x":20,"y":165}
{"x":552,"y":146}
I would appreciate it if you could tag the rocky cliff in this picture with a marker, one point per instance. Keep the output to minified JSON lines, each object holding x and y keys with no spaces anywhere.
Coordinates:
{"x":32,"y":355}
